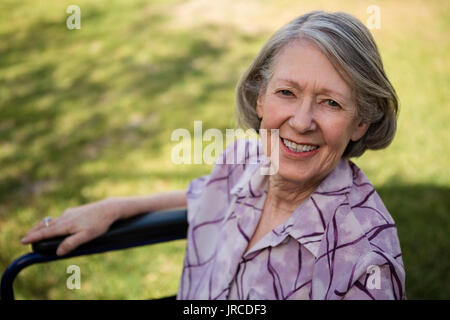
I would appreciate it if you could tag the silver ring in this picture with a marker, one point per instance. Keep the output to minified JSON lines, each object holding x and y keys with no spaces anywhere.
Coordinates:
{"x":47,"y":221}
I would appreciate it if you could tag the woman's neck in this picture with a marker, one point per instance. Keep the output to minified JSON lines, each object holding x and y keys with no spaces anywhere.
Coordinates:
{"x":285,"y":196}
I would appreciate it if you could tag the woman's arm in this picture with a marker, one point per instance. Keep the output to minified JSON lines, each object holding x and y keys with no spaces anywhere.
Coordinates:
{"x":126,"y":207}
{"x":89,"y":221}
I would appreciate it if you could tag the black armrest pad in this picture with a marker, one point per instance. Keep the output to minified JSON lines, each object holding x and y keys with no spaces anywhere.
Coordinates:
{"x":147,"y":228}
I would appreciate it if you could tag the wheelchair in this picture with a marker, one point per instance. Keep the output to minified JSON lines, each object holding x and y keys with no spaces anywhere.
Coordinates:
{"x":144,"y":229}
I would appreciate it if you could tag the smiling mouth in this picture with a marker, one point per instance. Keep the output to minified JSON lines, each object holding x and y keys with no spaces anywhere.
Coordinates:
{"x":296,"y":147}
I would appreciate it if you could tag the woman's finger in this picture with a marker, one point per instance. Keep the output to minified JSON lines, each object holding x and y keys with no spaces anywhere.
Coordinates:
{"x":71,"y":242}
{"x":38,"y":226}
{"x":41,"y":225}
{"x":46,"y":232}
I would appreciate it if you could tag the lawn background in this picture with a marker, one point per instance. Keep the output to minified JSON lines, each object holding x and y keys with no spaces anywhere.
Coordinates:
{"x":87,"y":114}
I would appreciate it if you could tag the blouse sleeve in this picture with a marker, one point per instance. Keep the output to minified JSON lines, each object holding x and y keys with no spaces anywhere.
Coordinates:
{"x":211,"y":194}
{"x":194,"y":193}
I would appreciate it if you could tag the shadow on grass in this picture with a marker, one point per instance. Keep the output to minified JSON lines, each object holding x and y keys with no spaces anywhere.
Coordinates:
{"x":35,"y":106}
{"x":422,"y":216}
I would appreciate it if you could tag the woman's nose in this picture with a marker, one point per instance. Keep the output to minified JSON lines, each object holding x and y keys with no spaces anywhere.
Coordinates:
{"x":303,"y":119}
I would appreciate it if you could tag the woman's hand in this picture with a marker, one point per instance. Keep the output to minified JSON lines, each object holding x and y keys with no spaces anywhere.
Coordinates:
{"x":87,"y":222}
{"x":82,"y":223}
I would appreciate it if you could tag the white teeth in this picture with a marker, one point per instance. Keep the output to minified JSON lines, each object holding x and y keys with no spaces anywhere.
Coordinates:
{"x":298,"y":147}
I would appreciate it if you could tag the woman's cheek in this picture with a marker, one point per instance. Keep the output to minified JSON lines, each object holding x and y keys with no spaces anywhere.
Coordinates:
{"x":337,"y":135}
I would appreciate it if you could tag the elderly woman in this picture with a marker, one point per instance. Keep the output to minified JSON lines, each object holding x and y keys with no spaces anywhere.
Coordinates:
{"x":316,"y":229}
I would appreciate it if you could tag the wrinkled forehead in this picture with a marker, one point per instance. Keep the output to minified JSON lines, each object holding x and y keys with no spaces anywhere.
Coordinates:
{"x":303,"y":61}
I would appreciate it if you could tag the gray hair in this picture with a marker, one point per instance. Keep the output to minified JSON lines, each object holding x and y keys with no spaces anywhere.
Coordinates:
{"x":350,"y":47}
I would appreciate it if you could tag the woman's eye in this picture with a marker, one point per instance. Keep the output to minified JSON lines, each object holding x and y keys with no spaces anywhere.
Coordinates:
{"x":285,"y":92}
{"x":332,"y":103}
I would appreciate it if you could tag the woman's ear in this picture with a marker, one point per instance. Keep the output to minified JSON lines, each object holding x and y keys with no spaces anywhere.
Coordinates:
{"x":360,"y":130}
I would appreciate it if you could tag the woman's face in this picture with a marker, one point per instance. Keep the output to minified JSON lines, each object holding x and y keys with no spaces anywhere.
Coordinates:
{"x":314,"y":110}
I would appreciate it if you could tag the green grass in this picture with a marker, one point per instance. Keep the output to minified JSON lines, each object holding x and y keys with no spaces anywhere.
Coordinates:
{"x":87,"y":114}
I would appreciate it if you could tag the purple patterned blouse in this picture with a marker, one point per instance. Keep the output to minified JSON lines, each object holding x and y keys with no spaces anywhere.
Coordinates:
{"x":339,"y":243}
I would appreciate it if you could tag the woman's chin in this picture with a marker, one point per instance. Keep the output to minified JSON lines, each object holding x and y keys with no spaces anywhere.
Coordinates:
{"x":294,"y":175}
